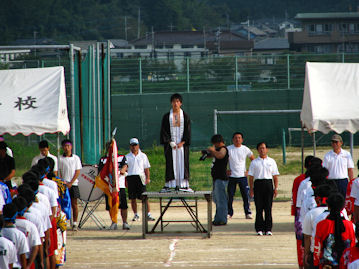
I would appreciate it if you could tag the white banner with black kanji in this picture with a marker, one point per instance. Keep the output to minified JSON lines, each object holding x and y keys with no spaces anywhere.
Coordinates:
{"x":33,"y":101}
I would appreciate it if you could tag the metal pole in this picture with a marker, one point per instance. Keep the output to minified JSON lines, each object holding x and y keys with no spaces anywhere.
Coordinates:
{"x":103,"y":118}
{"x":302,"y":147}
{"x":288,"y":71}
{"x":73,"y":98}
{"x":351,"y":144}
{"x":99,"y":144}
{"x":236,"y":75}
{"x":109,"y":89}
{"x":140,"y":74}
{"x":215,"y":121}
{"x":79,"y":66}
{"x":187,"y":74}
{"x":94,"y":98}
{"x":283,"y":147}
{"x":314,"y":144}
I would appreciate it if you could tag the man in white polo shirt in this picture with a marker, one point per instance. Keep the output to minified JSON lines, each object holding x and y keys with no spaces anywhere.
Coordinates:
{"x":261,"y":172}
{"x":238,"y":153}
{"x":69,"y":170}
{"x":45,"y":152}
{"x":138,"y":176}
{"x":340,"y":164}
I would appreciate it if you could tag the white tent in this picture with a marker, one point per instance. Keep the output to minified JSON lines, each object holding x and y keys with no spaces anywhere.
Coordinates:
{"x":33,"y":101}
{"x":331,"y":97}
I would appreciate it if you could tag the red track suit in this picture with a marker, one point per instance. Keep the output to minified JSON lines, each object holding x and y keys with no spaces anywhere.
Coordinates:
{"x":349,"y":256}
{"x":324,"y":242}
{"x":349,"y":201}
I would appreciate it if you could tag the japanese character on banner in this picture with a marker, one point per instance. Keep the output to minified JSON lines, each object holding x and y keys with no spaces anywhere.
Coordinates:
{"x":25,"y":103}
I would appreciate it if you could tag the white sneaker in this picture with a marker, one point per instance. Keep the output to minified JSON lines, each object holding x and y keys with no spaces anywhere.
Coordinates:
{"x":74,"y":227}
{"x":249,"y":216}
{"x":269,"y":233}
{"x":113,"y":226}
{"x":149,"y":217}
{"x":260,"y":233}
{"x":136,"y":217}
{"x":125,"y":226}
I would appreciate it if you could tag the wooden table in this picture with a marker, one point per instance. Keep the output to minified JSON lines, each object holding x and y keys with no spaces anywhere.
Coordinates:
{"x":192,"y":209}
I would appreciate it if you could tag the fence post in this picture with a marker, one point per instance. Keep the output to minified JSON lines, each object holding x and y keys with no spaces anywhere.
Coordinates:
{"x":140,"y":73}
{"x":187,"y":74}
{"x":215,"y":121}
{"x":288,"y":71}
{"x":73,"y":106}
{"x":236,"y":74}
{"x":284,"y":147}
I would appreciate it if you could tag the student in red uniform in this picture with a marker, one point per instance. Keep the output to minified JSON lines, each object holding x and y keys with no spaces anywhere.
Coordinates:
{"x":351,"y":255}
{"x":296,"y":183}
{"x":333,"y":235}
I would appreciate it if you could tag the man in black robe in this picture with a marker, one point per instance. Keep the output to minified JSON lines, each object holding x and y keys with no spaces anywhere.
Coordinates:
{"x":176,"y":138}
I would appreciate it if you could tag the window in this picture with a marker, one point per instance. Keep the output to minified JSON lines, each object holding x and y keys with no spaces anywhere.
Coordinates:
{"x":343,"y":27}
{"x":311,"y":28}
{"x":328,"y":27}
{"x":351,"y":28}
{"x":319,"y":28}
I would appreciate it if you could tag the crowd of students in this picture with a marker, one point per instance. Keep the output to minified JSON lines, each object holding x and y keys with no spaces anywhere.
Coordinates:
{"x":326,"y":210}
{"x":34,"y":217}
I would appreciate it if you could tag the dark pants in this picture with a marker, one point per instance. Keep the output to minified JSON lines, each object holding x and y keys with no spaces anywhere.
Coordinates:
{"x":263,"y":199}
{"x":244,"y":189}
{"x":342,"y":185}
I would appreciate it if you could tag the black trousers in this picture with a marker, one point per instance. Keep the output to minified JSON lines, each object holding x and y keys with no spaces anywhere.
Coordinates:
{"x":263,"y":199}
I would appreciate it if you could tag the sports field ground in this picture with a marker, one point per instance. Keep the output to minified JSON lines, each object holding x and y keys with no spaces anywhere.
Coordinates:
{"x":235,"y":245}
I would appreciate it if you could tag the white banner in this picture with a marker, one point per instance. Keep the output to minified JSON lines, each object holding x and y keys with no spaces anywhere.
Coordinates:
{"x":33,"y":101}
{"x":331,"y":97}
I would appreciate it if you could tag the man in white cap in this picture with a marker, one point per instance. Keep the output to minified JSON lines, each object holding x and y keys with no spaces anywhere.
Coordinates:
{"x":138,"y":176}
{"x":339,"y":163}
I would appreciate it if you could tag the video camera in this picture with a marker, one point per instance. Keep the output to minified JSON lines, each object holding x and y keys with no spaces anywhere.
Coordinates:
{"x":205,"y":154}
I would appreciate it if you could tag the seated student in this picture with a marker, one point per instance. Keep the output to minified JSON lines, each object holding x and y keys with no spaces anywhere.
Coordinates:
{"x":333,"y":235}
{"x":29,"y":229}
{"x":10,"y":232}
{"x":8,"y":255}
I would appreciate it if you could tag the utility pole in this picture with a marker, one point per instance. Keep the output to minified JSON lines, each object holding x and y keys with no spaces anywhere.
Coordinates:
{"x":125,"y":27}
{"x":35,"y":33}
{"x":139,"y":23}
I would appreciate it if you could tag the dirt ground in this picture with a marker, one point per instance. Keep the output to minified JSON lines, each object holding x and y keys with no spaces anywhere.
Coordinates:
{"x":232,"y":246}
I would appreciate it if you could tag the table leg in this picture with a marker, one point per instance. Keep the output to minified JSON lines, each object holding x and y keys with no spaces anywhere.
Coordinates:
{"x":144,"y":217}
{"x":209,"y":215}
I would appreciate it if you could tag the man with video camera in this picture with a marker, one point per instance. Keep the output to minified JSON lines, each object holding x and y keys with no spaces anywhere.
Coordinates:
{"x":220,"y":180}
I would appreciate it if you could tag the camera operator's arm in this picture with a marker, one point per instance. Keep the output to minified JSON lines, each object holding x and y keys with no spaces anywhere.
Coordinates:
{"x":217,"y":154}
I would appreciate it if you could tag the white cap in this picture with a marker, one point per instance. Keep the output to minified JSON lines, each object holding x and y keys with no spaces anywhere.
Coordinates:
{"x":134,"y":141}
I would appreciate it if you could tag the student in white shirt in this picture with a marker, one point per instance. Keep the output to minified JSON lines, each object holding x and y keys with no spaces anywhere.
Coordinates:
{"x":69,"y":170}
{"x":238,"y":153}
{"x":340,"y":164}
{"x":28,"y":228}
{"x":138,"y":176}
{"x":45,"y":152}
{"x":10,"y":232}
{"x":263,"y":172}
{"x":8,"y":255}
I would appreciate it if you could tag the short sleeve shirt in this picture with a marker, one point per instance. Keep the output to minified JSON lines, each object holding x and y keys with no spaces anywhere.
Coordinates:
{"x":237,"y":159}
{"x":338,"y":164}
{"x":68,"y":167}
{"x":34,"y":216}
{"x":355,"y":191}
{"x":30,"y":232}
{"x":49,"y":155}
{"x":263,"y":168}
{"x":50,"y":194}
{"x":7,"y":253}
{"x":52,"y":185}
{"x":303,"y":186}
{"x":137,"y":164}
{"x":19,"y":240}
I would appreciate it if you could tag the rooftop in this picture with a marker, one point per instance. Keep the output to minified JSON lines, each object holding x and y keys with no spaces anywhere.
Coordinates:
{"x":329,"y":15}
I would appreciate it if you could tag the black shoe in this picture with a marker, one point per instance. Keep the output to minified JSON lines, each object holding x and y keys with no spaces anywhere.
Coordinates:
{"x":218,"y":223}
